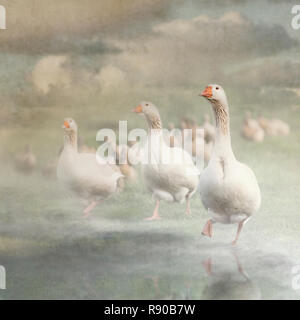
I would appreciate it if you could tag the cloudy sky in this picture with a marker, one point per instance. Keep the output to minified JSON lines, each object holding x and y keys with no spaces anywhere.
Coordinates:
{"x":88,"y":53}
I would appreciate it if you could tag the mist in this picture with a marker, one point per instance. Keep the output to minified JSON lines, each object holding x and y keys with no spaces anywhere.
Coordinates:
{"x":95,"y":64}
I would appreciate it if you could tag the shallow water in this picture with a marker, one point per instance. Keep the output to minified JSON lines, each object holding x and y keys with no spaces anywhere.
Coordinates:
{"x":50,"y":251}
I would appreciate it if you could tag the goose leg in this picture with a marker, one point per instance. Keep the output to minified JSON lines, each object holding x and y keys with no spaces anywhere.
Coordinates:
{"x":188,"y":207}
{"x":155,"y":214}
{"x":240,"y":226}
{"x":88,"y":209}
{"x":207,"y":230}
{"x":240,"y":267}
{"x":207,"y":266}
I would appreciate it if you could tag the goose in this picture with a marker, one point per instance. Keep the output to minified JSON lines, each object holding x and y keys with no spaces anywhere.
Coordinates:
{"x":195,"y":143}
{"x":274,"y":127}
{"x":170,"y":174}
{"x":134,"y":153}
{"x":252,"y":130}
{"x":228,"y":188}
{"x":282,"y":128}
{"x":26,"y":161}
{"x":127,"y":170}
{"x":174,"y":137}
{"x":83,"y":148}
{"x":122,"y":159}
{"x":82,"y":172}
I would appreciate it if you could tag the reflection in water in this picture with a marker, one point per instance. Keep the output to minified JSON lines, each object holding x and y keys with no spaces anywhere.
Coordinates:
{"x":230,"y":285}
{"x":80,"y":262}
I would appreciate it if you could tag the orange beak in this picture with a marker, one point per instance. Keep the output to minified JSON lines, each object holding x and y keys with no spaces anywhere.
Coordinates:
{"x":138,"y":109}
{"x":207,"y":93}
{"x":66,"y":124}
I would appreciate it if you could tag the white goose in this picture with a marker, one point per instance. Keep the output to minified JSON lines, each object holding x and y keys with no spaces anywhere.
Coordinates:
{"x":82,"y":173}
{"x":170,"y":174}
{"x":228,"y":188}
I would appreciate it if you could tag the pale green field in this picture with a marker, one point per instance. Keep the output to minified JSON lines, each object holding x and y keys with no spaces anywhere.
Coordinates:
{"x":51,"y":252}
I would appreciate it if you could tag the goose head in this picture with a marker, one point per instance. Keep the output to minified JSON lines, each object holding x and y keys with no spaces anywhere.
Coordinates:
{"x":150,"y":111}
{"x":215,"y":93}
{"x":69,"y":126}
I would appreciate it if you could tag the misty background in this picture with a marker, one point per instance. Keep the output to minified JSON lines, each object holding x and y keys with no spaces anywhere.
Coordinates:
{"x":95,"y":61}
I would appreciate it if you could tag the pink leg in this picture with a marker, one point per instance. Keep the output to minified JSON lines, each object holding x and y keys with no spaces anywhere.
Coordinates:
{"x":88,"y":209}
{"x":240,"y":267}
{"x":155,"y":214}
{"x":240,"y":226}
{"x":207,"y":266}
{"x":207,"y":230}
{"x":188,"y":207}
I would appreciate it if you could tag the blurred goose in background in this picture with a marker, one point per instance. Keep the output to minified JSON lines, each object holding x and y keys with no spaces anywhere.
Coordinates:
{"x":209,"y":129}
{"x":82,"y":172}
{"x":282,"y":128}
{"x":83,"y":148}
{"x":169,"y":173}
{"x":274,"y":127}
{"x":122,"y":159}
{"x":26,"y":161}
{"x":252,"y":130}
{"x":126,"y":169}
{"x":194,"y":142}
{"x":175,"y":136}
{"x":128,"y":172}
{"x":184,"y":123}
{"x":134,"y":153}
{"x":228,"y":188}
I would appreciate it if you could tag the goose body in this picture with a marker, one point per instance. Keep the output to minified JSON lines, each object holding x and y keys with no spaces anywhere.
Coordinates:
{"x":172,"y":181}
{"x":169,"y":173}
{"x":228,"y":188}
{"x":82,"y":173}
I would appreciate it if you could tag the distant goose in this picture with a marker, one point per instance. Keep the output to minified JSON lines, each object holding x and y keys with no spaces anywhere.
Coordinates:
{"x":252,"y":130}
{"x":228,"y":188}
{"x":122,"y":154}
{"x":83,"y":148}
{"x":82,"y":173}
{"x":175,"y":180}
{"x":274,"y":127}
{"x":26,"y":161}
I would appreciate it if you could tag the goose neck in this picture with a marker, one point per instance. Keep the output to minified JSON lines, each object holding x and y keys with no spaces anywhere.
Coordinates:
{"x":222,"y":124}
{"x":70,"y":140}
{"x":154,"y":123}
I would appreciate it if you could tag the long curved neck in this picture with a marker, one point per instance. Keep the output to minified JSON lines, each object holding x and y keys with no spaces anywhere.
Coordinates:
{"x":70,"y":140}
{"x":222,"y":146}
{"x":154,"y":123}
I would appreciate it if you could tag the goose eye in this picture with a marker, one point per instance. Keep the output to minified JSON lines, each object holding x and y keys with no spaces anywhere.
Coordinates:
{"x":217,"y":88}
{"x":147,"y":104}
